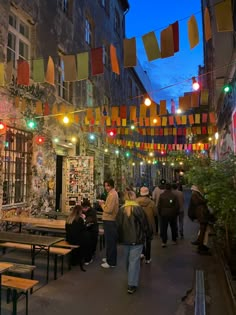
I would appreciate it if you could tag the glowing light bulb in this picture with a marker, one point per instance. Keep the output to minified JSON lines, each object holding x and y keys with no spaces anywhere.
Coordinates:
{"x":66,"y":120}
{"x":147,"y":101}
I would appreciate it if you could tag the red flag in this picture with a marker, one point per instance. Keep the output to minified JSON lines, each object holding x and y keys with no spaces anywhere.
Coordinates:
{"x":175,"y":28}
{"x":172,"y":102}
{"x":97,"y":61}
{"x":22,"y":72}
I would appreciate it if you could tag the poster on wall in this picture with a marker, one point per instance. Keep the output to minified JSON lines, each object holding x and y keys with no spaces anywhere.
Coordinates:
{"x":79,"y":180}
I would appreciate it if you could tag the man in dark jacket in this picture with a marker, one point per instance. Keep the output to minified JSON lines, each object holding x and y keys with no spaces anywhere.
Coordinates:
{"x":168,"y":210}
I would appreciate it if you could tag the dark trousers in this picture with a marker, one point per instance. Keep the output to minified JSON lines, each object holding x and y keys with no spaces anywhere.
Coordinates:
{"x":165,"y":221}
{"x":147,"y":249}
{"x":156,"y":223}
{"x":91,"y":245}
{"x":202,"y":232}
{"x":110,"y":233}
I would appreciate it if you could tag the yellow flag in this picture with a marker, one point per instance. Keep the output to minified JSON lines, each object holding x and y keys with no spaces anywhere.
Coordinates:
{"x":130,"y":59}
{"x":193,"y":34}
{"x":151,"y":46}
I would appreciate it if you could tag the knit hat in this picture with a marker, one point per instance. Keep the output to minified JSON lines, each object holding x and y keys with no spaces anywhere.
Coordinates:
{"x":144,"y":191}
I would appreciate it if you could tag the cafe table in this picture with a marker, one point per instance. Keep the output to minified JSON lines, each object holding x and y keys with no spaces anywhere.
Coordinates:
{"x":4,"y":266}
{"x":38,"y":243}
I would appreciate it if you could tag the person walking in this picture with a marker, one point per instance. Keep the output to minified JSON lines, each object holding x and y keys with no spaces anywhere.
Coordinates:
{"x":198,"y":210}
{"x":110,"y":209}
{"x":155,"y":196}
{"x":133,"y":229}
{"x":168,"y":209}
{"x":149,"y":208}
{"x":180,"y":219}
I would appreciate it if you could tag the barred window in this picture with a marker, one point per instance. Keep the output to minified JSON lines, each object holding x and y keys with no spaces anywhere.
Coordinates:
{"x":64,"y":89}
{"x":17,"y":157}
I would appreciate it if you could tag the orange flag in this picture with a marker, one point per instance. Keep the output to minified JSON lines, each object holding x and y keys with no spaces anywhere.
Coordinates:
{"x":50,"y":74}
{"x":114,"y":60}
{"x":207,"y":25}
{"x":114,"y":113}
{"x":130,"y":59}
{"x":143,"y":110}
{"x":193,"y":35}
{"x":195,"y":99}
{"x":204,"y":97}
{"x":22,"y":72}
{"x":163,"y":107}
{"x":223,"y":13}
{"x":167,"y":42}
{"x":151,"y":46}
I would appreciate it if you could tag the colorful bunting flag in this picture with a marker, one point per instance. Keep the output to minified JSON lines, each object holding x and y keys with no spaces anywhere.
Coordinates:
{"x":175,"y":29}
{"x":82,"y":66}
{"x":151,"y":46}
{"x":167,"y":42}
{"x":38,"y":70}
{"x":207,"y":25}
{"x":97,"y":61}
{"x":50,"y":73}
{"x":114,"y":61}
{"x":193,"y":35}
{"x":22,"y":72}
{"x":70,"y":74}
{"x":130,"y":59}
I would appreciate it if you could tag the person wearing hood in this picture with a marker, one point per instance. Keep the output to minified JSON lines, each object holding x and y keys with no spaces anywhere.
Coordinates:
{"x":149,"y":208}
{"x":133,"y":229}
{"x":198,"y":210}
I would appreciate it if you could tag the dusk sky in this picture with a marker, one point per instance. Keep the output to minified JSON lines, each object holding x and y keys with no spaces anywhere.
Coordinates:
{"x":145,"y":16}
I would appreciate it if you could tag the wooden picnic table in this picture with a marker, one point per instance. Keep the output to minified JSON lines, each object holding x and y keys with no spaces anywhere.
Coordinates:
{"x":4,"y":266}
{"x":32,"y":220}
{"x":38,"y":243}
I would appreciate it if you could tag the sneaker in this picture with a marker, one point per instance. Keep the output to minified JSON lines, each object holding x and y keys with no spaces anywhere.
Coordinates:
{"x":163,"y":245}
{"x":106,"y":265}
{"x":88,"y":262}
{"x":104,"y":260}
{"x":131,"y":289}
{"x":142,"y":256}
{"x":148,"y":261}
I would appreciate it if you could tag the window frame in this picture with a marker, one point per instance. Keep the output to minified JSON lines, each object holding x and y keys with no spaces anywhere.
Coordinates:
{"x":15,"y":31}
{"x":64,"y":89}
{"x":16,"y":170}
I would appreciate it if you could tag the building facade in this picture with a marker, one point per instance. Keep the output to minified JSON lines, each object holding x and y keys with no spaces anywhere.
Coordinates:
{"x":34,"y":142}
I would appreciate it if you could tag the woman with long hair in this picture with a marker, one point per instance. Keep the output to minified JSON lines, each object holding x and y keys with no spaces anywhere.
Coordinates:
{"x":133,"y":229}
{"x":76,"y":235}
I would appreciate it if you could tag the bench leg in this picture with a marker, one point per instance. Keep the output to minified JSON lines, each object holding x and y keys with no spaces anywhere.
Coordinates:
{"x":55,"y":267}
{"x":62,"y":265}
{"x":14,"y":301}
{"x":26,"y":302}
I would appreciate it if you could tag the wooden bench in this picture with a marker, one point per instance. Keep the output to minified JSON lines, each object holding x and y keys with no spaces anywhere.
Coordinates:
{"x":45,"y":231}
{"x":17,"y":286}
{"x":56,"y":251}
{"x":65,"y":244}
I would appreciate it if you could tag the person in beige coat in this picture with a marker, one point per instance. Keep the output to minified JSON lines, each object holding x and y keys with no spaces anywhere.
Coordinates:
{"x":149,"y":208}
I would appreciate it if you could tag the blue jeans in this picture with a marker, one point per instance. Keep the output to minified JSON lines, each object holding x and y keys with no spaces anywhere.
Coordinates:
{"x":132,"y":254}
{"x":110,"y":233}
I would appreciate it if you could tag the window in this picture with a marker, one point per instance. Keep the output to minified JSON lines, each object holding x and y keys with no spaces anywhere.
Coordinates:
{"x":105,"y":55}
{"x":18,"y":44}
{"x":117,"y":22}
{"x":106,"y":5}
{"x":64,"y":89}
{"x":88,"y":32}
{"x":66,"y":6}
{"x":16,"y":166}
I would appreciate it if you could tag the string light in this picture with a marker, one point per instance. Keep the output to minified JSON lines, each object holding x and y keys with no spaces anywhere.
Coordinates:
{"x":195,"y":85}
{"x":147,"y":101}
{"x":65,"y":120}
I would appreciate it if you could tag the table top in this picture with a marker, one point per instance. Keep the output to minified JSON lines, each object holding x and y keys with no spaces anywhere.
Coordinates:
{"x":55,"y":224}
{"x":31,"y":239}
{"x":5,"y":266}
{"x":32,"y":220}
